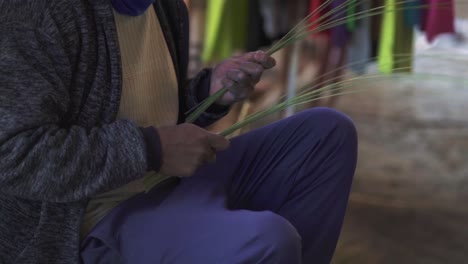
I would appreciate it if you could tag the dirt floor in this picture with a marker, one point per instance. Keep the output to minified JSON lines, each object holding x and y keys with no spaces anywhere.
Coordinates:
{"x":377,"y":234}
{"x":408,"y":203}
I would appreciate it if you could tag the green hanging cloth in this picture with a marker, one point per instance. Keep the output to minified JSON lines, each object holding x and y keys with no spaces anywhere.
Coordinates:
{"x":351,"y":10}
{"x":404,"y":44}
{"x":387,"y":37}
{"x":396,"y":43}
{"x":226,"y":28}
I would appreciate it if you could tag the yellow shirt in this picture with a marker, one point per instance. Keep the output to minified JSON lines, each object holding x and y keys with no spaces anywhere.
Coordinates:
{"x":149,"y":95}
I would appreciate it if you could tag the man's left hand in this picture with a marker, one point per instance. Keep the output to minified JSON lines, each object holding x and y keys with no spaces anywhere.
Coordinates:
{"x":239,"y":75}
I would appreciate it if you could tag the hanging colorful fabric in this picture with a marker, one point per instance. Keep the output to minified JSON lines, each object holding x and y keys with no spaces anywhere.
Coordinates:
{"x":315,"y":20}
{"x":360,"y":43}
{"x":376,"y":28}
{"x":439,"y":18}
{"x":256,"y":36}
{"x":404,"y":44}
{"x":387,"y":38}
{"x":396,"y":46}
{"x":413,"y":12}
{"x":275,"y":22}
{"x":351,"y":10}
{"x":339,"y":34}
{"x":226,"y":28}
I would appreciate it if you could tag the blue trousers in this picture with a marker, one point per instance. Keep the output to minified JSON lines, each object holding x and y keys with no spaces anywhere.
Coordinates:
{"x":278,"y":195}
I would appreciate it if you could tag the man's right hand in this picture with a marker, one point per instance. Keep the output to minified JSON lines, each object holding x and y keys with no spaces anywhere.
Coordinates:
{"x":186,"y":147}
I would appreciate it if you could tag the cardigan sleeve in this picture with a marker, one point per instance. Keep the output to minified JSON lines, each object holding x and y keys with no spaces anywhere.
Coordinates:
{"x":40,"y":159}
{"x":198,"y":90}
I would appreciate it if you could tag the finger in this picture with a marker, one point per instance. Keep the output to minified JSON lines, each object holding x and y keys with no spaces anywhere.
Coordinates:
{"x":240,"y":78}
{"x":251,"y":56}
{"x":254,"y":70}
{"x":237,"y":92}
{"x":218,"y":143}
{"x":260,"y":57}
{"x":264,"y":59}
{"x":207,"y":153}
{"x":240,"y":94}
{"x":228,"y":83}
{"x":210,"y":156}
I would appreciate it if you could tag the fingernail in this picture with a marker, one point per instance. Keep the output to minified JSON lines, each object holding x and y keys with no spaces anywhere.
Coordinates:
{"x":271,"y":62}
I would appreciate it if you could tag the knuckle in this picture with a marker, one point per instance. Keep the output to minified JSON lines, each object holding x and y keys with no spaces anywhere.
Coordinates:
{"x":227,"y":83}
{"x":259,"y":67}
{"x":241,"y":75}
{"x":260,"y":55}
{"x":258,"y":70}
{"x":232,"y":73}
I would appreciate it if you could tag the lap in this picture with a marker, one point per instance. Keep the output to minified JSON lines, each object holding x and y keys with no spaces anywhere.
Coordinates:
{"x":191,"y":225}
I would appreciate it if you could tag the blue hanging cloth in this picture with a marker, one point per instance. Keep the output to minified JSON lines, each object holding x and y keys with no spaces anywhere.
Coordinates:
{"x":413,"y":13}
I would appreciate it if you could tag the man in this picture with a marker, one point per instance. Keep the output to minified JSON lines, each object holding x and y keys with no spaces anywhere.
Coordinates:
{"x":93,"y":95}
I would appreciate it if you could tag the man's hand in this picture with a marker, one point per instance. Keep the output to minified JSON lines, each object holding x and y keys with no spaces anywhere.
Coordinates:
{"x":240,"y":75}
{"x":186,"y":147}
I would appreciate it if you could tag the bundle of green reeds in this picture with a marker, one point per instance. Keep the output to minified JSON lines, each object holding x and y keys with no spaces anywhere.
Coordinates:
{"x":306,"y":28}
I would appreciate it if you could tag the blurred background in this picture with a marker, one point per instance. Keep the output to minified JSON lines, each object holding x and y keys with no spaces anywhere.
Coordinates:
{"x":409,"y":198}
